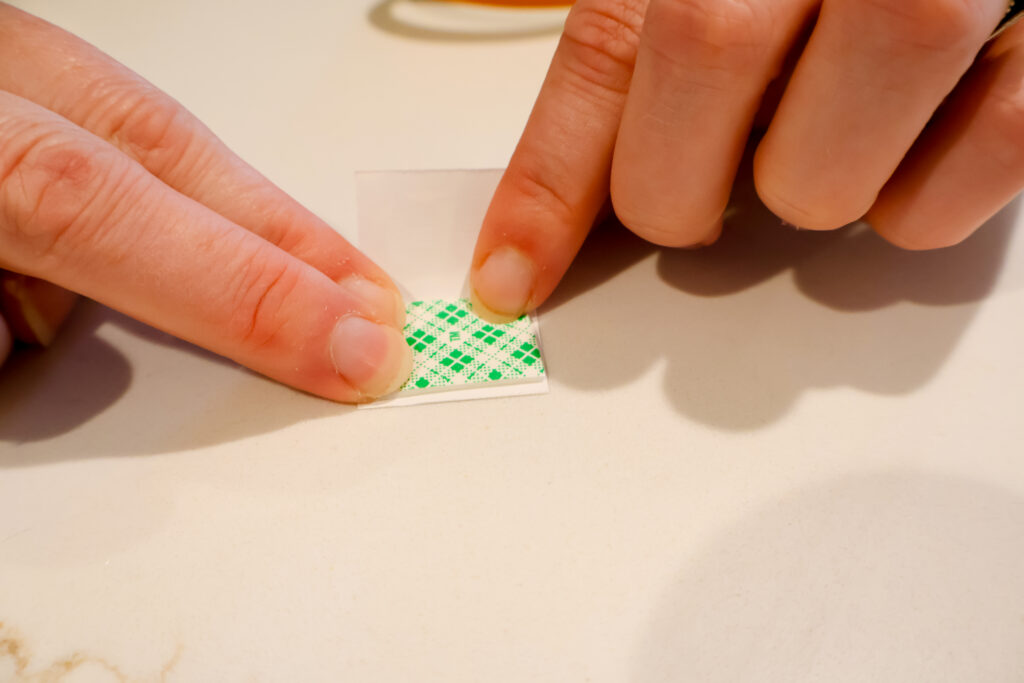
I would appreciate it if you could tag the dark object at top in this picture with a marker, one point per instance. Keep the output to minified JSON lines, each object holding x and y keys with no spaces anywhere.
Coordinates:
{"x":1016,"y":7}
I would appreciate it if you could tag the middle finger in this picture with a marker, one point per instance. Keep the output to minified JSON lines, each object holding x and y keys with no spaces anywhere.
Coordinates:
{"x":702,"y":68}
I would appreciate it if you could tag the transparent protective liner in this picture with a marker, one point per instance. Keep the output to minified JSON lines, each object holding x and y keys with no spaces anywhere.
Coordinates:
{"x":420,"y":226}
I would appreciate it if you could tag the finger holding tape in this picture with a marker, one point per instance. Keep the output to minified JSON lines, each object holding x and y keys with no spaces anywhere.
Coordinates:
{"x":557,"y":180}
{"x":79,"y":213}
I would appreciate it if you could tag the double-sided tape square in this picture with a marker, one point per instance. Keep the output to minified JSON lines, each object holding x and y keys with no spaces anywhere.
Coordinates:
{"x":453,"y":348}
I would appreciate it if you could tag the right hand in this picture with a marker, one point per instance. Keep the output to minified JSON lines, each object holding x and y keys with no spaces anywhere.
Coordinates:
{"x":111,"y":189}
{"x":878,"y":109}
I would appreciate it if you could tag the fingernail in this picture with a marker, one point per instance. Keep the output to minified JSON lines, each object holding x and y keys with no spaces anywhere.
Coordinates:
{"x":502,"y":286}
{"x":5,"y":341}
{"x":377,"y":303}
{"x":372,"y":357}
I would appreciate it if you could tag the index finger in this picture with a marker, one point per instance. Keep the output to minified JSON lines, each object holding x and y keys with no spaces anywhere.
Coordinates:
{"x":558,"y":178}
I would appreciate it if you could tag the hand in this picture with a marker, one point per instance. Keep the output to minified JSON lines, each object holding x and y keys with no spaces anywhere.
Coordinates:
{"x":111,"y":189}
{"x":651,"y":103}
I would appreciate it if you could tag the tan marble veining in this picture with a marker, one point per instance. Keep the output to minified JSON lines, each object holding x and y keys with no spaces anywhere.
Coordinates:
{"x":16,"y":651}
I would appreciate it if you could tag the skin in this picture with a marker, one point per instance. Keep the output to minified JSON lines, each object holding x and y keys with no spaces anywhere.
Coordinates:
{"x":894,"y":111}
{"x":111,"y":189}
{"x":891,"y":110}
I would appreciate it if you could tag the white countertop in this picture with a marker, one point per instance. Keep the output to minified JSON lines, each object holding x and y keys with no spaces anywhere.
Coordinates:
{"x":791,"y":457}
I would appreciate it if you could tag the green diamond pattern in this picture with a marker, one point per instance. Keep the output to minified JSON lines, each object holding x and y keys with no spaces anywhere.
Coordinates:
{"x":453,"y":347}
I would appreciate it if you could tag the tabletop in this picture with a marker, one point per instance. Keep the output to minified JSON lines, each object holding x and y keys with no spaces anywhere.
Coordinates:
{"x":790,"y":457}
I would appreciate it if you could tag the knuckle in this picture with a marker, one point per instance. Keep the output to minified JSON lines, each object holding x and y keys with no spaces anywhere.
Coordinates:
{"x":813,"y":200}
{"x":259,"y":302}
{"x":600,"y":40}
{"x":655,"y":229}
{"x":53,"y":189}
{"x":936,"y":25}
{"x":911,"y":240}
{"x":729,"y":36}
{"x":537,"y":190}
{"x":281,"y":225}
{"x":150,"y":126}
{"x":667,"y":230}
{"x":800,"y":211}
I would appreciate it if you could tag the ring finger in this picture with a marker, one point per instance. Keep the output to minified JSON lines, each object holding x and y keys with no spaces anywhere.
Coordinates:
{"x":870,"y":78}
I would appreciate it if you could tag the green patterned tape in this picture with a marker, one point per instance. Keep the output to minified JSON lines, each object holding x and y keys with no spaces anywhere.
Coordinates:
{"x":453,"y":347}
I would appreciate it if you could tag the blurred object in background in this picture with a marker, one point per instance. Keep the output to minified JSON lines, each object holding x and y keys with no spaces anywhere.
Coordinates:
{"x":520,"y":3}
{"x":470,"y":20}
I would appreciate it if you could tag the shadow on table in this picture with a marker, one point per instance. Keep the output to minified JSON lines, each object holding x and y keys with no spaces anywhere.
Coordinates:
{"x":46,"y":394}
{"x":896,"y":576}
{"x":750,"y":324}
{"x":384,"y":17}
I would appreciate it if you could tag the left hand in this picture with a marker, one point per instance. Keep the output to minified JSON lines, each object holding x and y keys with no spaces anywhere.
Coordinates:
{"x":110,"y":188}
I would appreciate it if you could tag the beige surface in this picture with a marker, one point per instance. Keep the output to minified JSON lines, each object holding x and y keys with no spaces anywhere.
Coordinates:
{"x":794,"y":457}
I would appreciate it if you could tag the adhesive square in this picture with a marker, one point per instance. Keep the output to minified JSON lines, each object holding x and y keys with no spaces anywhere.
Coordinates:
{"x":452,"y":347}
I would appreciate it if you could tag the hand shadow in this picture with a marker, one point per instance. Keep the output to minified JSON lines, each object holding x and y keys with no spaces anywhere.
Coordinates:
{"x":143,"y":404}
{"x":893,"y":576}
{"x":769,"y":312}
